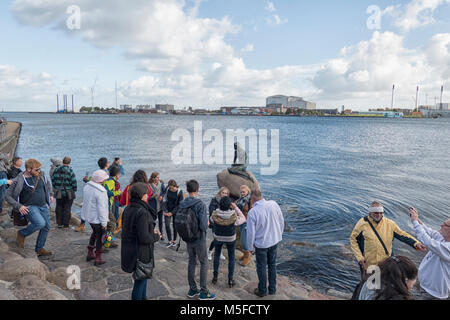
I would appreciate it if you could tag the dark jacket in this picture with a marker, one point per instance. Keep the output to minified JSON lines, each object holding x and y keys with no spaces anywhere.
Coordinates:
{"x":64,"y":174}
{"x":165,"y":203}
{"x":200,"y":210}
{"x":13,"y":172}
{"x":138,"y":223}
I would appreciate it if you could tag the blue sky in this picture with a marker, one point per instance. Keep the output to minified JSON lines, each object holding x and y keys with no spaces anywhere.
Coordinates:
{"x":238,"y":53}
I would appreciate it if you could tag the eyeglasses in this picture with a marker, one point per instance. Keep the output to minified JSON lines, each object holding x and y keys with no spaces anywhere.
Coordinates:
{"x":38,"y":169}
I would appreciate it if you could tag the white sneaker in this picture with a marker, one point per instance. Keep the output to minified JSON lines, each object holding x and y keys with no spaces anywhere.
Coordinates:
{"x":222,"y":257}
{"x":210,"y":253}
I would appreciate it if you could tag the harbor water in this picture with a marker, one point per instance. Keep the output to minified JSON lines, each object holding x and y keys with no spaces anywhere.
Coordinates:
{"x":330,"y":169}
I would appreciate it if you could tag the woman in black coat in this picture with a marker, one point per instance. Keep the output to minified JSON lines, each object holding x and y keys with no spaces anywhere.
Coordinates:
{"x":138,"y":236}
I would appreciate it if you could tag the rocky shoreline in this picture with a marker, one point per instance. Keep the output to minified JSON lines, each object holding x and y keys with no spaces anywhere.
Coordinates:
{"x":25,"y":277}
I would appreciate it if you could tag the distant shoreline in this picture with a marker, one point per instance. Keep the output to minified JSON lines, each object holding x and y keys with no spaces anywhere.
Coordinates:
{"x":226,"y":115}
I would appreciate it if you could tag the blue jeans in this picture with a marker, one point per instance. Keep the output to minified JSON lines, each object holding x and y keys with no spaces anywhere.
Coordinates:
{"x":39,"y":218}
{"x":2,"y":189}
{"x":116,"y":206}
{"x":266,"y":258}
{"x":218,"y":250}
{"x":243,"y":229}
{"x":139,"y":290}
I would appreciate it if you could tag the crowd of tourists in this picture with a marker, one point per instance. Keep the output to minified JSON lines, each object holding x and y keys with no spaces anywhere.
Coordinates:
{"x":150,"y":209}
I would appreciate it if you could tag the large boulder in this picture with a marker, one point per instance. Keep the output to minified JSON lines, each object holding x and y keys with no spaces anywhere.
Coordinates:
{"x":8,"y":235}
{"x":3,"y":247}
{"x":59,"y":277}
{"x":234,"y":182}
{"x":31,"y":287}
{"x":16,"y":269}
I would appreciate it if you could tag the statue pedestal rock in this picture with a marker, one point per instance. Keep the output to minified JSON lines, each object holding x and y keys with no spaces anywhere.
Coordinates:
{"x":234,"y":182}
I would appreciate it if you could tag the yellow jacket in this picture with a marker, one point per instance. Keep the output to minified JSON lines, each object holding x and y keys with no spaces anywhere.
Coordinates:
{"x":366,"y":246}
{"x":110,"y":186}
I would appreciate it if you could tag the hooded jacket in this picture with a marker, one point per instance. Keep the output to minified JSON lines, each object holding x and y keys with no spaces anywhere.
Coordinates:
{"x":95,"y":208}
{"x":55,"y":164}
{"x":366,"y":246}
{"x":224,"y":225}
{"x":200,"y":210}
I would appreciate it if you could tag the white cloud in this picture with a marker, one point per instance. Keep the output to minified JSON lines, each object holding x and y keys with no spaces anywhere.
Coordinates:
{"x":270,"y":6}
{"x":417,"y":13}
{"x":248,"y":48}
{"x":25,"y":88}
{"x":186,"y":60}
{"x":367,"y":70}
{"x":274,"y":19}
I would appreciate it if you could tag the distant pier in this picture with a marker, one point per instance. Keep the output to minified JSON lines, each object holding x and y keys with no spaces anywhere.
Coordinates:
{"x":9,"y":137}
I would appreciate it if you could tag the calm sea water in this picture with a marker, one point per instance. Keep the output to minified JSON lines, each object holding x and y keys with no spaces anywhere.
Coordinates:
{"x":330,"y":171}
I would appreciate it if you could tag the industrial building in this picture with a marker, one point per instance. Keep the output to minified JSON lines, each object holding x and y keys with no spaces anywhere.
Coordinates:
{"x":284,"y":102}
{"x":165,"y":107}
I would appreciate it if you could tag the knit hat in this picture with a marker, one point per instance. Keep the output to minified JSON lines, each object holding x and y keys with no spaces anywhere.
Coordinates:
{"x":99,"y":176}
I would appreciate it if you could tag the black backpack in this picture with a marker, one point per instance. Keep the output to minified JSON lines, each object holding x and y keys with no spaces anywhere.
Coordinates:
{"x":186,"y":224}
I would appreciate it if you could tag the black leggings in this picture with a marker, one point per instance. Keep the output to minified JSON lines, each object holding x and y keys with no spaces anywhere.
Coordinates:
{"x":160,"y":222}
{"x":168,"y":221}
{"x":212,"y":245}
{"x":96,"y":237}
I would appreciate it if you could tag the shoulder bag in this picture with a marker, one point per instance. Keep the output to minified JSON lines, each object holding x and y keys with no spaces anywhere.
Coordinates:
{"x":21,"y":220}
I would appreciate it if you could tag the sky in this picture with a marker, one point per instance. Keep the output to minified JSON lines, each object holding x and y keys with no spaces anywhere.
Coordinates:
{"x":213,"y":53}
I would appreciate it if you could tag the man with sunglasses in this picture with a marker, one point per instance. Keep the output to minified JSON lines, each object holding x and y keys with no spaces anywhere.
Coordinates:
{"x":31,"y":194}
{"x":372,"y":238}
{"x":434,"y":271}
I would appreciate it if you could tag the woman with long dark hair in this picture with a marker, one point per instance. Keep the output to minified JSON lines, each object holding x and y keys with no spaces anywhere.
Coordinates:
{"x":398,"y":276}
{"x":138,"y":176}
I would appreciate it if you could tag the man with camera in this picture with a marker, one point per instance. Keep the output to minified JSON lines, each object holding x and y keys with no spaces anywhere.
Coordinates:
{"x":434,"y":271}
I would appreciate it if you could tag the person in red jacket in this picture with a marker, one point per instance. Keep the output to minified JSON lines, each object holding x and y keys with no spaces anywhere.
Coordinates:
{"x":138,"y":176}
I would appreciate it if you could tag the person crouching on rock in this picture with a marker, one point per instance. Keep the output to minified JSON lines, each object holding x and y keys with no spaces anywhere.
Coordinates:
{"x":31,"y":193}
{"x":138,"y":238}
{"x":224,"y":219}
{"x":213,"y":205}
{"x":96,"y":212}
